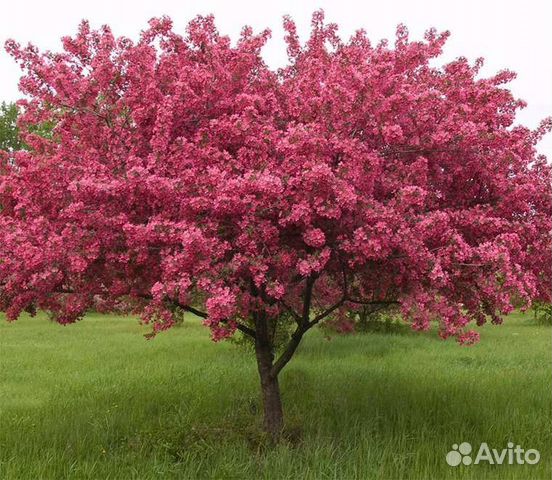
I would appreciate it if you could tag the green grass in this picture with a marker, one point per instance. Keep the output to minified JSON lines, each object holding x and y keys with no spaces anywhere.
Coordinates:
{"x":96,"y":400}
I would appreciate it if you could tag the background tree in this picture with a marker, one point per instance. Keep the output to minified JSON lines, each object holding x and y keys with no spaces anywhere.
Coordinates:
{"x":542,"y":312}
{"x":9,"y":134}
{"x":10,"y":139}
{"x":184,"y":174}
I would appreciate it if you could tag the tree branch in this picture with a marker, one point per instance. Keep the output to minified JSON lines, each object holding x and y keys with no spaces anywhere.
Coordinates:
{"x":307,"y":300}
{"x":372,"y":302}
{"x":188,"y":308}
{"x":324,"y":314}
{"x":240,"y":326}
{"x":286,"y":355}
{"x":293,"y":313}
{"x":193,"y":310}
{"x":245,"y":329}
{"x":302,"y":326}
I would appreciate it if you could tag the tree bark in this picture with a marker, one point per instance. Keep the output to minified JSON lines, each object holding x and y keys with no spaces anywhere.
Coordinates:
{"x":270,"y":389}
{"x":273,"y":415}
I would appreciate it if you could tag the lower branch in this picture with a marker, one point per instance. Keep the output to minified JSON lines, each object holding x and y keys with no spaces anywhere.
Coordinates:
{"x":193,"y":310}
{"x":373,"y":302}
{"x":296,"y":337}
{"x":240,"y":326}
{"x":286,"y":355}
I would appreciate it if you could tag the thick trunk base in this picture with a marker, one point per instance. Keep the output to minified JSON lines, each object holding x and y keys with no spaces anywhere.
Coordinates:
{"x":273,"y":421}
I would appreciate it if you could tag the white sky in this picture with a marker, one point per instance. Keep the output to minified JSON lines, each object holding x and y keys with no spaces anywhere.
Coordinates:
{"x":508,"y":34}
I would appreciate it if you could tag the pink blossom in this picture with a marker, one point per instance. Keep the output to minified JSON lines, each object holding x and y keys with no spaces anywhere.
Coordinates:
{"x":314,"y":237}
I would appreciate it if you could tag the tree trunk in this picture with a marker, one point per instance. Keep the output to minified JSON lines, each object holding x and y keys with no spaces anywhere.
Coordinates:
{"x":272,"y":402}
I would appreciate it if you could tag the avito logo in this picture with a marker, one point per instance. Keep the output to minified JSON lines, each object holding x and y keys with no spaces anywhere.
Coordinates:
{"x":461,"y":454}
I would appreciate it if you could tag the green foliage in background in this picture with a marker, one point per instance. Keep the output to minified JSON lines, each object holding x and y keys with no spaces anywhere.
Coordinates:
{"x":543,"y":312}
{"x":10,"y":136}
{"x":9,"y":133}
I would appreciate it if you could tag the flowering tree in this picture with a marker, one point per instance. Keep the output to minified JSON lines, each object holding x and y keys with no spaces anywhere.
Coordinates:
{"x":185,"y":175}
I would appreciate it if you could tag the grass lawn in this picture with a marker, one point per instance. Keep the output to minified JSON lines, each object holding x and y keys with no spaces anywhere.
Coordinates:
{"x":97,"y":400}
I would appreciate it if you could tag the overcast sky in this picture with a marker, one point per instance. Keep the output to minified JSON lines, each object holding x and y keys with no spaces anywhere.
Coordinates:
{"x":508,"y":34}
